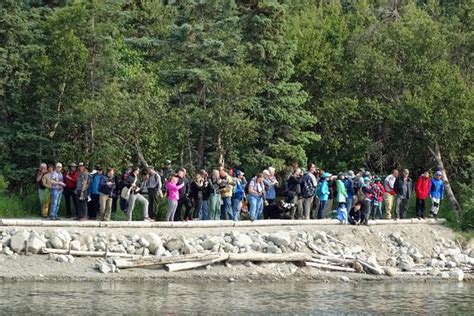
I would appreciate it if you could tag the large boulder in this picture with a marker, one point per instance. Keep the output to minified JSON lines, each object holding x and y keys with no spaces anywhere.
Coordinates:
{"x":154,"y":242}
{"x":211,"y":243}
{"x":457,"y":274}
{"x":35,"y":243}
{"x":75,"y":245}
{"x":18,"y":241}
{"x":59,"y":239}
{"x":242,"y":240}
{"x":280,"y":238}
{"x":174,"y":244}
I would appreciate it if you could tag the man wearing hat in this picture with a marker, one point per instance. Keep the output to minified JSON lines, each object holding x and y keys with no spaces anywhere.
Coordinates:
{"x":81,"y":192}
{"x":70,"y":178}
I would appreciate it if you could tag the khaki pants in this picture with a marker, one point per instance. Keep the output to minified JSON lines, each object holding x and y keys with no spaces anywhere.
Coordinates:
{"x":45,"y":199}
{"x":105,"y":207}
{"x":388,"y":198}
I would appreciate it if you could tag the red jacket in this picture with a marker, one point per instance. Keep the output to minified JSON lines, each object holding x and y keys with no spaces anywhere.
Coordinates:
{"x":422,"y":187}
{"x":71,"y":183}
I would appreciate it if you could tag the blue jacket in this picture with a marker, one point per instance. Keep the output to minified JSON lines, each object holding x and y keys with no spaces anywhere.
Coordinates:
{"x":349,"y":187}
{"x":323,"y":190}
{"x":270,"y":193}
{"x":437,"y":188}
{"x":95,"y":182}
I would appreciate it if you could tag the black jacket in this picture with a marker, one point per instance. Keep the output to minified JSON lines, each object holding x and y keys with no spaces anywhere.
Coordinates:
{"x":186,"y":189}
{"x":294,"y":185}
{"x":398,"y":187}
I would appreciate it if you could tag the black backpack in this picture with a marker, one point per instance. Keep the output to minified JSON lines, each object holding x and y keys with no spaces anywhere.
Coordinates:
{"x":307,"y":187}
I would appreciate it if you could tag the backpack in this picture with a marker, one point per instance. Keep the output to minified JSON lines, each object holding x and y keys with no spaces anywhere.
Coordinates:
{"x":308,"y":188}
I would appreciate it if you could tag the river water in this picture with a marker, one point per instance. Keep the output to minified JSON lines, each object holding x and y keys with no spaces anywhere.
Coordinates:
{"x":236,"y":298}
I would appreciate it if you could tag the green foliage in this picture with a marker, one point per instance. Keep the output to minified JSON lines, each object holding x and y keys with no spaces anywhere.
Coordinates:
{"x":343,"y":83}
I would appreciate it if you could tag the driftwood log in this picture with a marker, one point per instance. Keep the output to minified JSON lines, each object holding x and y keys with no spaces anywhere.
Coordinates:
{"x":329,"y":267}
{"x":83,"y":253}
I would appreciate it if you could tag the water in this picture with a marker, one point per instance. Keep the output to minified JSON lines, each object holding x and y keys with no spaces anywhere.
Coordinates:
{"x":235,"y":298}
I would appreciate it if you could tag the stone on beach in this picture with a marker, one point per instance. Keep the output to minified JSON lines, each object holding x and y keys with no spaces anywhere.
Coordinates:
{"x":18,"y":241}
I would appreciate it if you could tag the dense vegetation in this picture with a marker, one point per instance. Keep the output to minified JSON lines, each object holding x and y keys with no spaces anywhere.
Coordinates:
{"x":380,"y":84}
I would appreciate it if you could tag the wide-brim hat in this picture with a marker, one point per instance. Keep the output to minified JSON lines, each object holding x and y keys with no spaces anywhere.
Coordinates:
{"x":327,"y":175}
{"x":72,"y":164}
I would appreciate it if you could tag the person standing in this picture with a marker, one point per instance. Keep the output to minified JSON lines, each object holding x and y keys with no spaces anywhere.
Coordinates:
{"x":378,"y":190}
{"x":309,"y":185}
{"x":436,"y":193}
{"x":389,"y":195}
{"x":323,"y":193}
{"x":57,"y":187}
{"x":255,"y":196}
{"x":184,"y":199}
{"x":403,"y":188}
{"x":197,"y":187}
{"x":366,"y":194}
{"x":43,"y":192}
{"x":81,"y":192}
{"x":206,"y":194}
{"x":94,"y":205}
{"x":349,"y":185}
{"x":422,"y":190}
{"x":133,"y":183}
{"x":214,"y":196}
{"x":154,"y":191}
{"x":70,"y":178}
{"x":172,"y":188}
{"x":106,"y":189}
{"x":270,"y":182}
{"x":341,"y":191}
{"x":239,"y":194}
{"x":293,"y":193}
{"x":226,"y":188}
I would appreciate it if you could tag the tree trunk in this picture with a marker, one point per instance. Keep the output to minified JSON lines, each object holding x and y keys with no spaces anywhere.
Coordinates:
{"x":140,"y":155}
{"x":200,"y":151}
{"x":220,"y":151}
{"x":436,"y":152}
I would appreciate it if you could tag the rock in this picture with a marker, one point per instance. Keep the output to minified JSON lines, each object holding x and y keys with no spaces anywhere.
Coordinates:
{"x":445,"y":275}
{"x":18,"y":241}
{"x":135,"y":238}
{"x":62,"y":258}
{"x":256,"y":247}
{"x":433,"y":263}
{"x":345,"y":279}
{"x":390,"y":271}
{"x":160,"y":251}
{"x":396,"y":237}
{"x":391,"y":262}
{"x":70,"y":258}
{"x":228,"y":248}
{"x":101,"y":246}
{"x":280,"y":238}
{"x":188,"y":249}
{"x":242,"y":240}
{"x":154,"y":241}
{"x":272,"y":249}
{"x":451,"y":264}
{"x":452,"y":252}
{"x":457,"y":274}
{"x":442,"y":257}
{"x":119,"y":249}
{"x":358,"y":267}
{"x":35,"y":244}
{"x":405,"y":263}
{"x":75,"y":245}
{"x":106,"y":267}
{"x":231,"y":280}
{"x":174,"y":244}
{"x":53,"y":256}
{"x":143,"y":242}
{"x":435,"y":272}
{"x":212,"y":242}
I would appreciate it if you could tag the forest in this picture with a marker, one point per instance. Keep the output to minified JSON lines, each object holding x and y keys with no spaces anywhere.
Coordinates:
{"x":379,"y":84}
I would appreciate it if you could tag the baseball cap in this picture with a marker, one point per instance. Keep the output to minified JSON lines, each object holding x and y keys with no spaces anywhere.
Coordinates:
{"x":438,"y":173}
{"x":81,"y":164}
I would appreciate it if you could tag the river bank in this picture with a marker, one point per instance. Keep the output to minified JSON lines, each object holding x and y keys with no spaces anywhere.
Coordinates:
{"x":410,"y":252}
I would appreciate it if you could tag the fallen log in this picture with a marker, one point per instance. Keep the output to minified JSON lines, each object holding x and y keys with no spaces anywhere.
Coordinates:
{"x":342,"y":261}
{"x":84,"y":253}
{"x":180,"y":266}
{"x":315,"y":248}
{"x":335,"y":240}
{"x":370,"y":268}
{"x":270,"y":257}
{"x":153,"y":261}
{"x":329,"y":267}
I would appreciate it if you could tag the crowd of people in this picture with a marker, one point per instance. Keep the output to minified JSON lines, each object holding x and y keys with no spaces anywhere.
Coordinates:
{"x":226,"y":194}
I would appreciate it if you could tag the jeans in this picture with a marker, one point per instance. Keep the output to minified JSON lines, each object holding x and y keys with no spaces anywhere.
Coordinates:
{"x":81,"y":206}
{"x":214,"y":206}
{"x":226,"y":208}
{"x":70,"y":194}
{"x":420,"y":207}
{"x":349,"y":201}
{"x":315,"y":210}
{"x":322,"y":206}
{"x":131,"y":204}
{"x":55,"y":202}
{"x":255,"y":205}
{"x":171,"y":210}
{"x":152,"y":202}
{"x":197,"y":207}
{"x":366,"y":211}
{"x":236,"y":207}
{"x":204,"y":215}
{"x":401,"y":207}
{"x":376,"y":210}
{"x":94,"y":205}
